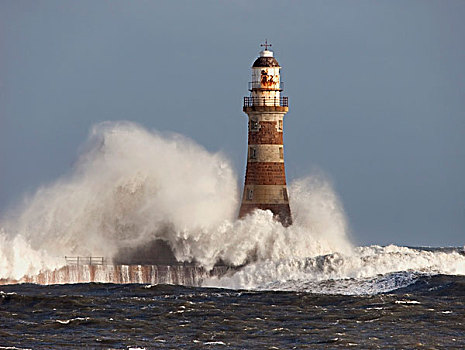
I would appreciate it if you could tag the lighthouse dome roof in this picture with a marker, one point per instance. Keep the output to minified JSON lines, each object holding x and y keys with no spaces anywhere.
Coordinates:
{"x":266,"y":59}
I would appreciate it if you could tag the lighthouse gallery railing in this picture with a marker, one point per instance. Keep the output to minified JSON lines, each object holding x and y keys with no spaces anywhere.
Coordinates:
{"x":266,"y":101}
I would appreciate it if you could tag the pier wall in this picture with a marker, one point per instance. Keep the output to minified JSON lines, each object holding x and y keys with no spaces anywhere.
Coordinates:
{"x":186,"y":275}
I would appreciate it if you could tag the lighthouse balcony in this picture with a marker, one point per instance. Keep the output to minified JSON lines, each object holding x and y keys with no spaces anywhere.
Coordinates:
{"x":266,"y":101}
{"x":266,"y":85}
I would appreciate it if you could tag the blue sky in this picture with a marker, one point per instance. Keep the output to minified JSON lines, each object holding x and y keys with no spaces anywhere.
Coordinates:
{"x":376,"y":92}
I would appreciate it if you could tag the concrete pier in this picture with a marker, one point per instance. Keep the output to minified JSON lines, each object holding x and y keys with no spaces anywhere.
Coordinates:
{"x":186,"y":275}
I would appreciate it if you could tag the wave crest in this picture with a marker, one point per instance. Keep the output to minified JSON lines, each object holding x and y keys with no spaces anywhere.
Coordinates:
{"x":366,"y":270}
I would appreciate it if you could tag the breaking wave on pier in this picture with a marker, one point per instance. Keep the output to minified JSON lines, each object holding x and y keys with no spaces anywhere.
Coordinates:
{"x":131,"y":188}
{"x":366,"y":270}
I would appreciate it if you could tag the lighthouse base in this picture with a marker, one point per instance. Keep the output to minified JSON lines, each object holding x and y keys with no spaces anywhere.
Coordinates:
{"x":281,"y":212}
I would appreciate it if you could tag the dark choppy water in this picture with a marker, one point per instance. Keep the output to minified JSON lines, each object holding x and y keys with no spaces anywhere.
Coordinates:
{"x":430,"y":313}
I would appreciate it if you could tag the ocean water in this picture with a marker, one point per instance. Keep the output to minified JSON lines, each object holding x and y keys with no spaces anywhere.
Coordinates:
{"x":303,"y":286}
{"x":429,"y":313}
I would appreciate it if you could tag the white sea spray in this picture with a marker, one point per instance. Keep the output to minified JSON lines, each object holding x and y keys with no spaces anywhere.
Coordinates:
{"x":366,"y":270}
{"x":131,"y":186}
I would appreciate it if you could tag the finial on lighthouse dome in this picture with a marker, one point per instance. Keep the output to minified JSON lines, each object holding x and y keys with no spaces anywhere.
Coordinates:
{"x":266,"y":52}
{"x":266,"y":58}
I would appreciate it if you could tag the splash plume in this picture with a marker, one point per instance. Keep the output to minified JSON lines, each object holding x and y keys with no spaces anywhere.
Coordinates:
{"x":131,"y":187}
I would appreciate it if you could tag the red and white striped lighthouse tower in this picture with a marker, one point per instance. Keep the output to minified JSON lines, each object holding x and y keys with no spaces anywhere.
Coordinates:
{"x":265,"y":178}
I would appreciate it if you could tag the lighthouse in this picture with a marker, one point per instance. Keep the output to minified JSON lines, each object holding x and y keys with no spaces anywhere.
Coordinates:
{"x":265,"y":178}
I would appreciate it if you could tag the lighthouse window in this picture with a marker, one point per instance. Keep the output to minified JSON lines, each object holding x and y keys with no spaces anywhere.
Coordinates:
{"x":253,"y":153}
{"x":253,"y":125}
{"x":281,"y":153}
{"x":285,"y":194}
{"x":250,"y":194}
{"x":280,"y":125}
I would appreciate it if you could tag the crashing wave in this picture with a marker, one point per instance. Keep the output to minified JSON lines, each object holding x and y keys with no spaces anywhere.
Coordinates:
{"x":131,"y":189}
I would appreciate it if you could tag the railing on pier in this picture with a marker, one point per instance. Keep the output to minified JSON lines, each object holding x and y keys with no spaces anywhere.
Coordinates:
{"x":86,"y":260}
{"x":266,"y":101}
